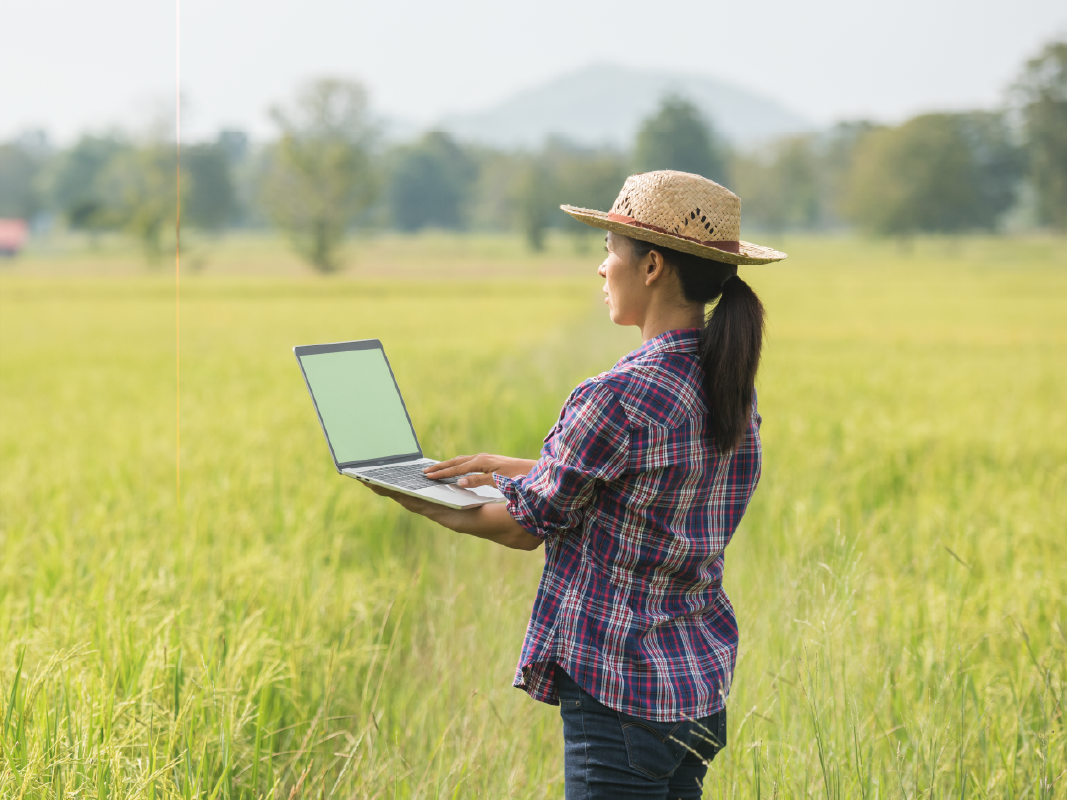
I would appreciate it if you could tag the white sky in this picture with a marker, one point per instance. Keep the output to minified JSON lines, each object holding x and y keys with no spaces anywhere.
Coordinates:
{"x":71,"y":65}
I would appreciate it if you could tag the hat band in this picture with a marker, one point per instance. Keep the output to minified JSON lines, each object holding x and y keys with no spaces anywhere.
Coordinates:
{"x":726,"y":246}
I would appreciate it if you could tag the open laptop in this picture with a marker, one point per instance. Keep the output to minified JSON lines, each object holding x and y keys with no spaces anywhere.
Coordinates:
{"x":367,"y":426}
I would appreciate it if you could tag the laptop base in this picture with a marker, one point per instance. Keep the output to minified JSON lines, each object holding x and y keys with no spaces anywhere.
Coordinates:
{"x":446,"y":494}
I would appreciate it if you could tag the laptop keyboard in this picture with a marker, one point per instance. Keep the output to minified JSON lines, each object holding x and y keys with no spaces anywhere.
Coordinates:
{"x":406,"y":476}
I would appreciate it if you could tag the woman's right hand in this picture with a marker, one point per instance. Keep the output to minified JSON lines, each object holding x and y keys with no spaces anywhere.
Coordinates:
{"x":484,"y":464}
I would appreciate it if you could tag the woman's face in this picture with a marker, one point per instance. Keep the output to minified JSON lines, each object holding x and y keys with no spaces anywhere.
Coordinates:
{"x":625,"y":287}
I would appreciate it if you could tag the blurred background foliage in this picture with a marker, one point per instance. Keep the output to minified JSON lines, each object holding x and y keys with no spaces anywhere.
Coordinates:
{"x":319,"y":173}
{"x":330,"y":170}
{"x":1041,"y":96}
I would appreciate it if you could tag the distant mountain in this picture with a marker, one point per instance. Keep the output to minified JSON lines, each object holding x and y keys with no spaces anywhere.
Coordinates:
{"x":603,"y":105}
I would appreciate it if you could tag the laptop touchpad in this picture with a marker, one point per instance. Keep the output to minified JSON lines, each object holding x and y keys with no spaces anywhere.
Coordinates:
{"x":450,"y":493}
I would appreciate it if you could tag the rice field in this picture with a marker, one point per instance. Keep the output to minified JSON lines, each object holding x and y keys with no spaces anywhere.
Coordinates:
{"x":280,"y":632}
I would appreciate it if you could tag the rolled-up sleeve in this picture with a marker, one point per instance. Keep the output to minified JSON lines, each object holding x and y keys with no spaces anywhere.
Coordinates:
{"x":588,"y":446}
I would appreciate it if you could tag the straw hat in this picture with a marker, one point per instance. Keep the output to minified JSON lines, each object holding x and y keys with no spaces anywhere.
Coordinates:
{"x":683,"y":212}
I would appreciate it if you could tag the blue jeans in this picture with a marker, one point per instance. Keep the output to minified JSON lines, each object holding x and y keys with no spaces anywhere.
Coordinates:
{"x":609,"y":754}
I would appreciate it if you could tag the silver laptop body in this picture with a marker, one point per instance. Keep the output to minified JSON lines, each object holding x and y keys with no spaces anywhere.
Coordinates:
{"x":367,"y":426}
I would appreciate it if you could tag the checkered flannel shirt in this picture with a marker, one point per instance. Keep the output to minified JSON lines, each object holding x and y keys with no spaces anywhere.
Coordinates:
{"x":636,"y":507}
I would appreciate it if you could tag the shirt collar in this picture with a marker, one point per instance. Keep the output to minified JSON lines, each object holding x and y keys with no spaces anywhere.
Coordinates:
{"x":683,"y":340}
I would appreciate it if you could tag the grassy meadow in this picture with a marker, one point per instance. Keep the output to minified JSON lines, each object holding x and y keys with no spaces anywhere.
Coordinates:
{"x":900,"y":578}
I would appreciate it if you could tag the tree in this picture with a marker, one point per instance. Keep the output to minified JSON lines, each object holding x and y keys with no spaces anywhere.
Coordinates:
{"x":19,"y":197}
{"x":137,"y":191}
{"x":587,"y":178}
{"x":583,"y":177}
{"x":936,"y":172}
{"x":1041,"y":92}
{"x":563,"y":172}
{"x":534,"y":193}
{"x":494,"y":202}
{"x":319,"y":176}
{"x":998,"y":163}
{"x":429,"y":183}
{"x":71,"y":183}
{"x":678,"y":137}
{"x":212,"y":199}
{"x":780,"y":187}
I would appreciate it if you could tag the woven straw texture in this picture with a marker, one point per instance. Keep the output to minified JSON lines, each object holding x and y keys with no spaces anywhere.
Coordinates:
{"x":690,"y":212}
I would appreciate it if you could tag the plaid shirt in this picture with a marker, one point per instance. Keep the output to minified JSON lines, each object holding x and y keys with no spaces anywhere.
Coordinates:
{"x":635,"y":507}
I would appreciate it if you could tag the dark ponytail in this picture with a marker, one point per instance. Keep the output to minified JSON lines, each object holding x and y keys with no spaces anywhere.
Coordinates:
{"x":730,"y":342}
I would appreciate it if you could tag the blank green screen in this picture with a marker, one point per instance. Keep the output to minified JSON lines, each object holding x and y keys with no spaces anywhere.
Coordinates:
{"x":359,"y":404}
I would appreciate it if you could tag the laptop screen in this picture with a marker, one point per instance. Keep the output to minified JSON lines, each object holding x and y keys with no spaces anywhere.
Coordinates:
{"x":358,"y":402}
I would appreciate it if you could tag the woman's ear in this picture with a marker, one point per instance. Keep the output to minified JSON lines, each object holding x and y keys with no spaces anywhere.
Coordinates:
{"x":655,"y":267}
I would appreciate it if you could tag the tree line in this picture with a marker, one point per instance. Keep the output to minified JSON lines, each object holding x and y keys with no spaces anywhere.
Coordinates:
{"x":330,"y":169}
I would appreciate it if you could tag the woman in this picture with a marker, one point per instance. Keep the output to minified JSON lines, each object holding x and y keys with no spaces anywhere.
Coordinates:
{"x":639,"y":487}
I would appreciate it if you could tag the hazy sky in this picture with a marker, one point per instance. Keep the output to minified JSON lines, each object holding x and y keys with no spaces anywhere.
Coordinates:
{"x":69,"y":65}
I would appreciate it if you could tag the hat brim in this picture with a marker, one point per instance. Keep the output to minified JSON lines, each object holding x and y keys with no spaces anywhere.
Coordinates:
{"x":748,"y":253}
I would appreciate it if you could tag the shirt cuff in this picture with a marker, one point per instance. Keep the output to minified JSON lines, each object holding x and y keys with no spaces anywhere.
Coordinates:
{"x":521,"y":511}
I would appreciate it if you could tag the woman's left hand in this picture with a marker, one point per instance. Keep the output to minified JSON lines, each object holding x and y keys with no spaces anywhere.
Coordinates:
{"x":492,"y":521}
{"x":415,"y":505}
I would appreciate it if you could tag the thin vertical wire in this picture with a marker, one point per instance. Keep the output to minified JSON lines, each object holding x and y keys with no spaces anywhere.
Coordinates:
{"x":178,"y":251}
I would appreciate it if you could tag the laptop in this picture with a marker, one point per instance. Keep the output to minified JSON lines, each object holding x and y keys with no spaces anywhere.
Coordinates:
{"x":367,"y":426}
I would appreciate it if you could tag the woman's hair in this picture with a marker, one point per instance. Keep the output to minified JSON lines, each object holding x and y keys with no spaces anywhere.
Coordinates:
{"x":730,"y":342}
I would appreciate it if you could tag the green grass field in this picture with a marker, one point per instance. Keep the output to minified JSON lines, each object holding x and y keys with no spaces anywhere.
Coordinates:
{"x":900,"y":578}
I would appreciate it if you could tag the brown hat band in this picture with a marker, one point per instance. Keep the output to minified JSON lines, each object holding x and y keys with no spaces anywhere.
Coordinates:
{"x":729,"y":247}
